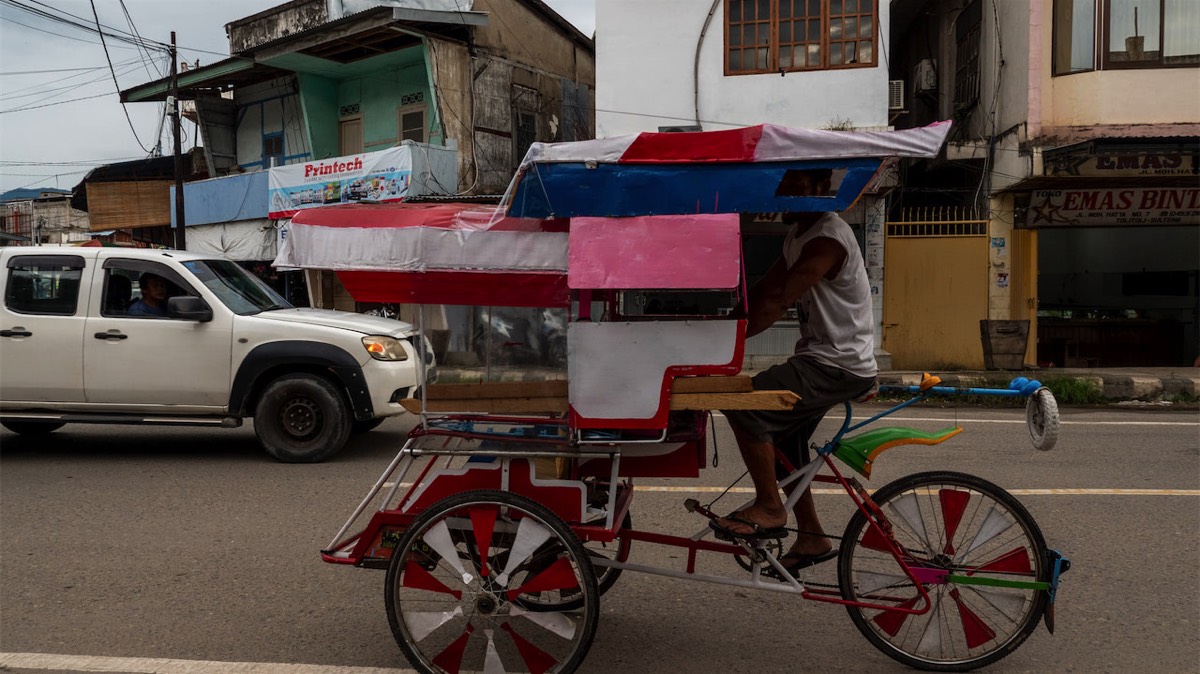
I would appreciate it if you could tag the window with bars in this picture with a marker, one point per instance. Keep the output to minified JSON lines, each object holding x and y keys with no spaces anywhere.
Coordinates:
{"x":412,"y":123}
{"x":768,"y":36}
{"x":967,"y":40}
{"x":273,"y":150}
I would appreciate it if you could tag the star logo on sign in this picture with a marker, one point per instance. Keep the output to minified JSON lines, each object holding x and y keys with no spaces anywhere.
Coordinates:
{"x":1047,"y":212}
{"x":1067,"y":165}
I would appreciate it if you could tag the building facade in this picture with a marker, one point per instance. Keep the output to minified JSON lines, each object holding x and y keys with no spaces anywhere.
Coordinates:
{"x":318,"y":81}
{"x":678,"y":65}
{"x":46,"y":218}
{"x":1077,"y":146}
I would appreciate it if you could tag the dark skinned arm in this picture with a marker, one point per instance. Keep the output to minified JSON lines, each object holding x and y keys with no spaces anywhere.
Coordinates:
{"x":781,"y":287}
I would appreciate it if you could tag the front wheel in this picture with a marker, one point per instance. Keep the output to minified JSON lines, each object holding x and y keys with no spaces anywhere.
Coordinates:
{"x":458,"y":579}
{"x":980,"y":557}
{"x":302,"y":418}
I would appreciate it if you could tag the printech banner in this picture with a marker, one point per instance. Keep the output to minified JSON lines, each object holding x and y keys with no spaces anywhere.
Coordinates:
{"x":374,"y":176}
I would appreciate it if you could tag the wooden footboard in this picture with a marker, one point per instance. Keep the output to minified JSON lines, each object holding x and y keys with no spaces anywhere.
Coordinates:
{"x":550,"y":397}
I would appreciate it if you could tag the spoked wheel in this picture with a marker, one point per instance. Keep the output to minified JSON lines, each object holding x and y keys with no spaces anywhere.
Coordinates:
{"x":459,"y":577}
{"x":568,"y":599}
{"x":1041,"y":417}
{"x":979,"y":555}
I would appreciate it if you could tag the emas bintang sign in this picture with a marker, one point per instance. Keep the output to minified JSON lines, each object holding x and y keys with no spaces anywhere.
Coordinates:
{"x":1113,"y":207}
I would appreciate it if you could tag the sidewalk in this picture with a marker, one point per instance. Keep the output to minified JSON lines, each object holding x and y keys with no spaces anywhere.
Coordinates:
{"x":1117,"y":383}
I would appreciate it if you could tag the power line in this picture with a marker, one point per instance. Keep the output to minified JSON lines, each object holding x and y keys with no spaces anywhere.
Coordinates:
{"x":72,"y":100}
{"x":53,"y":70}
{"x":114,"y":76}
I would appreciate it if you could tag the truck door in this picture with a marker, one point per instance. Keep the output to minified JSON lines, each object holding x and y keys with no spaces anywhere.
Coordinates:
{"x":41,"y":328}
{"x":135,"y":359}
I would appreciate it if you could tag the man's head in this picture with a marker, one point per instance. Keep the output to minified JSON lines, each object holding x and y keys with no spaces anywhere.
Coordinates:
{"x":154,"y":289}
{"x":807,"y":183}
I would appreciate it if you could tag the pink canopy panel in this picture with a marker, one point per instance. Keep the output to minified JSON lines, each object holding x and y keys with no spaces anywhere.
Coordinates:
{"x":653,"y":252}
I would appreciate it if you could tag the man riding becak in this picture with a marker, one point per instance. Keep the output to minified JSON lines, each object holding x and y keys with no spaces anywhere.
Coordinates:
{"x":822,"y":269}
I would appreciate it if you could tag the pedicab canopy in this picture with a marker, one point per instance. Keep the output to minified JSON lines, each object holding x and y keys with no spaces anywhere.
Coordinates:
{"x":638,"y":211}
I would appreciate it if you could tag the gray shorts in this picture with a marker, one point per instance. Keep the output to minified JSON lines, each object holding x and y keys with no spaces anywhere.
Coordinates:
{"x":819,"y":386}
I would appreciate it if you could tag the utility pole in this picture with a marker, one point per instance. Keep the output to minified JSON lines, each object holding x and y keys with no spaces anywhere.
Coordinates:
{"x":180,"y":237}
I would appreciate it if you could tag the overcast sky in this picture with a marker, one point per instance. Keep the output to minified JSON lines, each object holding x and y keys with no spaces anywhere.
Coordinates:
{"x":59,"y":111}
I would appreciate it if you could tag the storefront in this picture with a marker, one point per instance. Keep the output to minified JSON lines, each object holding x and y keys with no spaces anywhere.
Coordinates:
{"x":1118,"y":252}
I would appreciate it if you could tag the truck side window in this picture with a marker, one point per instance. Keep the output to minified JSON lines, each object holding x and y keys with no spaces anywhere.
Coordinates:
{"x":43,"y":284}
{"x":118,"y":292}
{"x":125,"y":285}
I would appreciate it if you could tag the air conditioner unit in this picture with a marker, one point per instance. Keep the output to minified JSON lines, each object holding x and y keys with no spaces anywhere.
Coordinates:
{"x":925,"y":76}
{"x":895,"y":94}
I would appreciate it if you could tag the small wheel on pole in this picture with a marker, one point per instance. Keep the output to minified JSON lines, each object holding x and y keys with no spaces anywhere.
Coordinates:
{"x":454,"y":587}
{"x":1041,"y":417}
{"x":978,"y":554}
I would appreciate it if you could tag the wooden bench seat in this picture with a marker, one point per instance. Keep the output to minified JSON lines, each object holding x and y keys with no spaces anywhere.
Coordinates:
{"x":550,"y":397}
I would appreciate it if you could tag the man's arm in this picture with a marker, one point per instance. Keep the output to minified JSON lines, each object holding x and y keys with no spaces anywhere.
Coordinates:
{"x":781,"y":287}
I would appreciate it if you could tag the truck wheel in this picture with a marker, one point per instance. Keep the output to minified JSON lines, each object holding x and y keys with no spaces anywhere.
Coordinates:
{"x":32,"y":427}
{"x":302,"y":418}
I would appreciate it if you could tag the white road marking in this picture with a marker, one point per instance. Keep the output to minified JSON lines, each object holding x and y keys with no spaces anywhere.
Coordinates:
{"x":1064,"y":422}
{"x":1053,"y":491}
{"x":97,"y":663}
{"x":1015,"y":492}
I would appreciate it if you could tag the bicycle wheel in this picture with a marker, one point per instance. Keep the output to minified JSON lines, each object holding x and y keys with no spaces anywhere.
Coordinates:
{"x":983,"y":563}
{"x":454,"y":579}
{"x":567,"y":599}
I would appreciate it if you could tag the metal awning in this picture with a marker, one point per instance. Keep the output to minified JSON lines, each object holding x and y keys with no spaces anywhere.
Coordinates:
{"x":380,"y":30}
{"x":233,"y":72}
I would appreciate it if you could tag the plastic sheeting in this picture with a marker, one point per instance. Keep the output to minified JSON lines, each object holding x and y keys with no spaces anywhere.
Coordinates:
{"x":244,"y":240}
{"x":732,"y":171}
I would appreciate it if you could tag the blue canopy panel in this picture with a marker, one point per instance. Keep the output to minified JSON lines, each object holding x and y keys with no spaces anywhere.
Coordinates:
{"x":572,"y":189}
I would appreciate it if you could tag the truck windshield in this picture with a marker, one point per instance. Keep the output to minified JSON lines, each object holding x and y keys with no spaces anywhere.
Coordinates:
{"x":238,"y":289}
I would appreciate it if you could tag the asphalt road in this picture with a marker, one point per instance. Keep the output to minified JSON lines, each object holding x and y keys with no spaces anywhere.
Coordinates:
{"x":181,"y":549}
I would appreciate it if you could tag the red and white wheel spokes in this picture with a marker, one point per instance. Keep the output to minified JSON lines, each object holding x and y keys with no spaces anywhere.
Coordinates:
{"x":973,"y":557}
{"x":459,"y":595}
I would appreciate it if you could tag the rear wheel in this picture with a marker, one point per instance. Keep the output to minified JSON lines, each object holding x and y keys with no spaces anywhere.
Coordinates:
{"x":457,"y":583}
{"x":606,"y":576}
{"x":302,"y":418}
{"x":32,"y":427}
{"x":980,"y":556}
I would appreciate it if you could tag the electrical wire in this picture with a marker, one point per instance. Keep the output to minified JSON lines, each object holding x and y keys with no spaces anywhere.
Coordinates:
{"x":114,"y":78}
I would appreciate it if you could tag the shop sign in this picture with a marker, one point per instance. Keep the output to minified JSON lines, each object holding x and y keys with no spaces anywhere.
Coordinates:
{"x":1125,"y":164}
{"x":1118,"y":207}
{"x":375,"y":176}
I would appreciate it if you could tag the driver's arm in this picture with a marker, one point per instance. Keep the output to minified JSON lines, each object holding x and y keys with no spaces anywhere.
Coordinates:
{"x":782,"y":287}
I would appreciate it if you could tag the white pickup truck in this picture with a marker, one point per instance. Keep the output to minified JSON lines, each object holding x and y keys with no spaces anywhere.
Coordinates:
{"x":77,"y":347}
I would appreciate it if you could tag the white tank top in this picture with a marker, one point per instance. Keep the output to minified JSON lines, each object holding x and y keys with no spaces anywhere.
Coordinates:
{"x":835,"y":314}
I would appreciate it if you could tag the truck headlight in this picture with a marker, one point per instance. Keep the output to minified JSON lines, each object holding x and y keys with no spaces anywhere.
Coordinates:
{"x":382,"y":347}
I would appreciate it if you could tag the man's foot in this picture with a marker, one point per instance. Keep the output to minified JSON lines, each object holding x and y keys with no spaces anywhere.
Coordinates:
{"x":795,"y":561}
{"x":743,"y":524}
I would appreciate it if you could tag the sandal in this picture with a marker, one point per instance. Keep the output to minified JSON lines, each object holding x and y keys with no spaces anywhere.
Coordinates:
{"x":757,"y":531}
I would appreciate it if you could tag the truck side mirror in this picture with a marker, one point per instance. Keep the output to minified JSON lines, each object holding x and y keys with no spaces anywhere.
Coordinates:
{"x":189,"y":308}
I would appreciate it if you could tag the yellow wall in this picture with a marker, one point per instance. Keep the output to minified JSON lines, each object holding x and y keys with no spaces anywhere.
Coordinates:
{"x":1123,"y":97}
{"x":1113,"y":97}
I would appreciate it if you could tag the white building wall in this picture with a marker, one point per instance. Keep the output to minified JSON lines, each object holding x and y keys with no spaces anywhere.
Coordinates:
{"x":645,"y":60}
